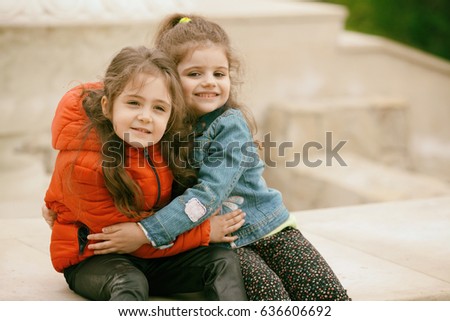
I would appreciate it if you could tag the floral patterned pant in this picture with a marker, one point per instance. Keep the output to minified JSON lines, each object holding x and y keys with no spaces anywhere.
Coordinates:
{"x":285,"y":266}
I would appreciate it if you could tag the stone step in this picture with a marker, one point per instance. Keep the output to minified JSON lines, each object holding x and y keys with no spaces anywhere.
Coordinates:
{"x":374,"y":127}
{"x":361,"y":181}
{"x":386,"y":251}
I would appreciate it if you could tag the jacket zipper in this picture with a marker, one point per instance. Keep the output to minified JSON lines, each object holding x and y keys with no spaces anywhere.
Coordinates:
{"x":83,"y":232}
{"x":152,"y":166}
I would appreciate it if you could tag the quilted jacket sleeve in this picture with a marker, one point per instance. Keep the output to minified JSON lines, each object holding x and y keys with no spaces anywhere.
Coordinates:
{"x":85,"y":199}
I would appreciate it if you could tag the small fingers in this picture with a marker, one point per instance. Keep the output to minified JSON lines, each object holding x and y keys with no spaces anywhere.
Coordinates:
{"x":97,"y":252}
{"x":44,"y":211}
{"x":113,"y":228}
{"x":236,"y":219}
{"x":97,"y":246}
{"x":235,"y":227}
{"x":232,"y":214}
{"x":229,"y":238}
{"x":98,"y":237}
{"x":101,"y":248}
{"x":47,"y":213}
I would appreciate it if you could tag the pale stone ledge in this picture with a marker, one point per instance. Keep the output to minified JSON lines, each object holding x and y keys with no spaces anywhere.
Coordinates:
{"x":100,"y":12}
{"x":387,"y":251}
{"x":363,"y":43}
{"x":76,"y":12}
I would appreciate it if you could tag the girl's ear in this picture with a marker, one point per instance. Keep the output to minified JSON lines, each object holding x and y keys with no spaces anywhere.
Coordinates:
{"x":105,"y":109}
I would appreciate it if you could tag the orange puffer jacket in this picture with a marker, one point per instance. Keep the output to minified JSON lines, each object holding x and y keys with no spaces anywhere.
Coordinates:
{"x":78,"y":195}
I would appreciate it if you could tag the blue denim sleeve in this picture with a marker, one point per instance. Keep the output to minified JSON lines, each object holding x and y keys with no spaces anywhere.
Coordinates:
{"x":218,"y":175}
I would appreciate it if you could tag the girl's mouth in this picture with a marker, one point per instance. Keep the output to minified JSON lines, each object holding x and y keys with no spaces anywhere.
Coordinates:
{"x":207,"y":95}
{"x":141,"y":130}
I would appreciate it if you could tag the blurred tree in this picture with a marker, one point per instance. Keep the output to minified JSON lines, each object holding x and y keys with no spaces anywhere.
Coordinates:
{"x":424,"y":24}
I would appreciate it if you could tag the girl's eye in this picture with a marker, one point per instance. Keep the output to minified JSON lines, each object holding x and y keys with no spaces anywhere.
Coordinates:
{"x":194,"y":74}
{"x":160,"y":108}
{"x":133,"y":103}
{"x":219,"y":74}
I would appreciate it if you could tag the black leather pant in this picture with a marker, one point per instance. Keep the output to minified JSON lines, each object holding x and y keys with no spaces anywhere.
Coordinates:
{"x":214,"y":271}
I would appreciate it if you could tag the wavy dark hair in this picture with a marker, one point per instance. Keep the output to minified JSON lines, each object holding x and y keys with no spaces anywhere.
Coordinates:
{"x":124,"y":67}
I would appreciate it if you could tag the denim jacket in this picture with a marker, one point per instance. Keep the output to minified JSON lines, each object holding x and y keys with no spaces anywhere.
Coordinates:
{"x":230,"y":176}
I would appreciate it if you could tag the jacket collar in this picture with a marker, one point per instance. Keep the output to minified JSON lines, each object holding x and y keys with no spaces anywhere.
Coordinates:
{"x":204,"y":121}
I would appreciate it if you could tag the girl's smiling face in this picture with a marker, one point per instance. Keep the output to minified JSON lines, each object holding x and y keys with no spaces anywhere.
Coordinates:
{"x":141,"y":112}
{"x":205,"y":79}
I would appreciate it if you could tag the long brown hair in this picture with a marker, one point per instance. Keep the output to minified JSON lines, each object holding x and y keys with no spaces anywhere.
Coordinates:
{"x":179,"y":34}
{"x":128,"y":63}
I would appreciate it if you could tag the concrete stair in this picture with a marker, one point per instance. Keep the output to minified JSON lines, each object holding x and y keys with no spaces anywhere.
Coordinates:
{"x":362,"y":181}
{"x":384,"y":251}
{"x":373,"y":163}
{"x":375,"y":127}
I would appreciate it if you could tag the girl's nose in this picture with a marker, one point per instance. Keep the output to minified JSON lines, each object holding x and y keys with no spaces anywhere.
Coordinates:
{"x":209,"y":81}
{"x":145,"y":115}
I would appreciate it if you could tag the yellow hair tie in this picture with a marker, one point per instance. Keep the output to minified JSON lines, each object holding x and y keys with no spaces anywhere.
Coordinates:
{"x":185,"y":20}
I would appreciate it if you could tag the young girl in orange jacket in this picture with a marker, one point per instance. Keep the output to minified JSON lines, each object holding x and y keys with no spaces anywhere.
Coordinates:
{"x":116,"y":163}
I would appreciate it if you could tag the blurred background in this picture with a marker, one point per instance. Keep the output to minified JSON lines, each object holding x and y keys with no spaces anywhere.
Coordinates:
{"x":424,"y":25}
{"x":352,"y":98}
{"x":373,"y":74}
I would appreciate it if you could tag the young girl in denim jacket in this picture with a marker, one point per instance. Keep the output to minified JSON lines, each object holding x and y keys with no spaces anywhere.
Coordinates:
{"x":277,"y":262}
{"x":115,"y":165}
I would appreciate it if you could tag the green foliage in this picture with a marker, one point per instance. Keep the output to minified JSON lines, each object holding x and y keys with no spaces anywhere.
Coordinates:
{"x":424,"y":24}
